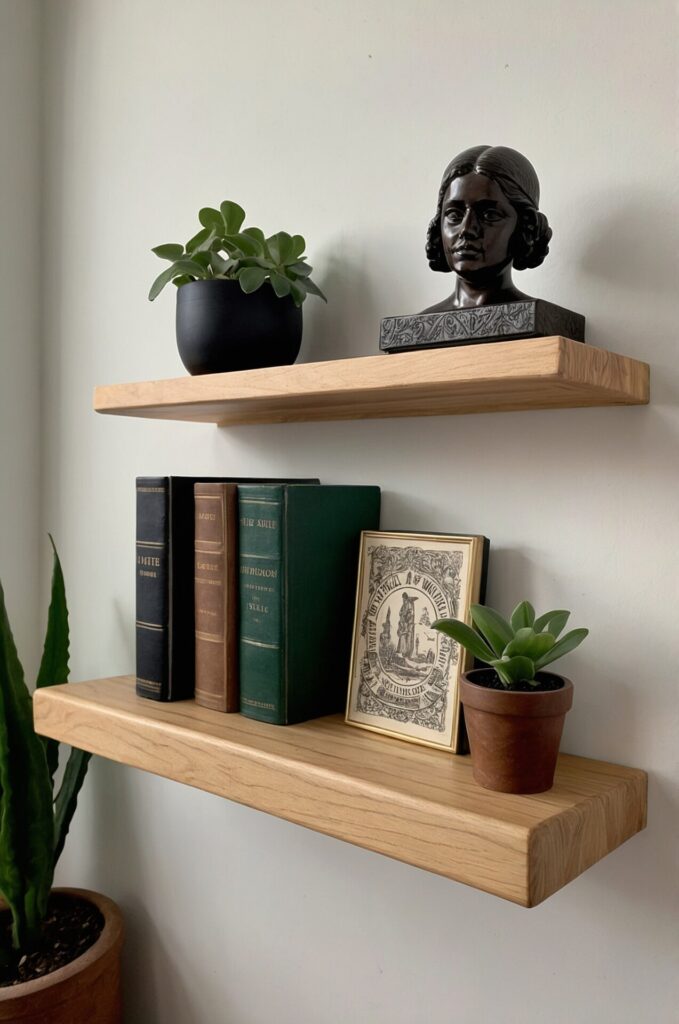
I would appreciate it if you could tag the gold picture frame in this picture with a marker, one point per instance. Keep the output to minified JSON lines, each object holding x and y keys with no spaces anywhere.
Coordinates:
{"x":404,"y":677}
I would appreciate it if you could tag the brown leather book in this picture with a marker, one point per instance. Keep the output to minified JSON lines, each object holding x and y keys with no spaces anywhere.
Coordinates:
{"x":216,"y":595}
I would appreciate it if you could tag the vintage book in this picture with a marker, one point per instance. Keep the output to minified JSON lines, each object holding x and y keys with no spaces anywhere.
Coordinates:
{"x":405,"y":676}
{"x":165,"y":624}
{"x":216,"y":595}
{"x":298,"y":564}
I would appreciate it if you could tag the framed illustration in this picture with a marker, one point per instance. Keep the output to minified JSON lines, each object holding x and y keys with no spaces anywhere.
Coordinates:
{"x":404,"y":675}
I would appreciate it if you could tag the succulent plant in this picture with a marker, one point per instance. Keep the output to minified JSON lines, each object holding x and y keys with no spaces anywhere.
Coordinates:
{"x":519,"y":648}
{"x":224,"y":250}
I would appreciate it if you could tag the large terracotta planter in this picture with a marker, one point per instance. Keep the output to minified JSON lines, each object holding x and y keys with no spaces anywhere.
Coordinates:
{"x":87,"y":990}
{"x":514,"y":737}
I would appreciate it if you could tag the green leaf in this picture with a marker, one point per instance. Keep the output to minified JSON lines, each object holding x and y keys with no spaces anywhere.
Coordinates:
{"x":523,"y":615}
{"x":530,"y":644}
{"x":563,"y":646}
{"x":300,"y":268}
{"x":313,"y":288}
{"x":465,"y":635}
{"x":280,"y":247}
{"x":298,"y":292}
{"x":494,"y":627}
{"x":26,"y":819}
{"x":54,"y":663}
{"x":67,"y":798}
{"x":191,"y":266}
{"x":233,"y":216}
{"x":258,"y":236}
{"x":161,"y":281}
{"x":183,"y":279}
{"x":222,"y":267}
{"x":245,"y":244}
{"x":171,"y":251}
{"x":199,"y":241}
{"x":252,"y":278}
{"x":212,"y":219}
{"x":514,"y":670}
{"x":545,"y":621}
{"x":203,"y":258}
{"x":281,"y":285}
{"x":298,"y":246}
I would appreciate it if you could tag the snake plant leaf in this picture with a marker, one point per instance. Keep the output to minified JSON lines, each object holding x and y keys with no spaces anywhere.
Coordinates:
{"x":563,"y":646}
{"x":172,"y":251}
{"x":465,"y":635}
{"x":298,"y":246}
{"x":280,"y":284}
{"x":522,"y":616}
{"x":26,"y":818}
{"x":515,"y":670}
{"x":545,"y":621}
{"x":212,"y":219}
{"x":313,"y":288}
{"x":233,"y":216}
{"x":252,"y":278}
{"x":529,"y":644}
{"x":67,"y":798}
{"x":494,"y":627}
{"x":54,"y":662}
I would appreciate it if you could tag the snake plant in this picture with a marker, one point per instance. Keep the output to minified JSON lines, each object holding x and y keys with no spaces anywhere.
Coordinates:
{"x":224,"y":250}
{"x":34,"y":815}
{"x":519,"y":648}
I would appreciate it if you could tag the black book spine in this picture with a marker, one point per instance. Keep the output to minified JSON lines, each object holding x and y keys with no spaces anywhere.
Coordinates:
{"x":152,"y":556}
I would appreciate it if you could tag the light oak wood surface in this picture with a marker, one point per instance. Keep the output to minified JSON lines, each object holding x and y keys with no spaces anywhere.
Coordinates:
{"x":538,"y":373}
{"x":412,"y":803}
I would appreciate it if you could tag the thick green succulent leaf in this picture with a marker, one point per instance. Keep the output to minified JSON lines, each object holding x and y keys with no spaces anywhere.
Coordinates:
{"x":494,"y":627}
{"x":280,"y":247}
{"x":280,"y":284}
{"x":298,"y":292}
{"x":522,"y":616}
{"x":67,"y":798}
{"x":212,"y":219}
{"x":245,"y":245}
{"x":313,"y":288}
{"x":26,"y":819}
{"x":252,"y":278}
{"x":529,"y":644}
{"x":54,"y":663}
{"x":298,"y":246}
{"x":203,"y":258}
{"x":198,"y":241}
{"x":545,"y":621}
{"x":182,"y":279}
{"x":222,"y":267}
{"x":557,"y":623}
{"x":233,"y":216}
{"x":563,"y":646}
{"x":258,"y":235}
{"x":172,"y":251}
{"x":300,"y":268}
{"x":193,"y":267}
{"x":161,"y":281}
{"x":514,"y":670}
{"x":465,"y":636}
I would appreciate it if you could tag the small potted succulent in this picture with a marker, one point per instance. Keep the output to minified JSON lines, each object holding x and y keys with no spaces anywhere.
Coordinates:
{"x":240,"y":294}
{"x":59,"y":948}
{"x":514,"y":711}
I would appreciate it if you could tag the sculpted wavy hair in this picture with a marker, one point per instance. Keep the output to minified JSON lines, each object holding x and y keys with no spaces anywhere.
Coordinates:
{"x":517,"y":178}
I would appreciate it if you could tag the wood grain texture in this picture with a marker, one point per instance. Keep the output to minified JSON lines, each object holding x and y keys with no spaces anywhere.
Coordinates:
{"x":538,"y":373}
{"x":412,"y":803}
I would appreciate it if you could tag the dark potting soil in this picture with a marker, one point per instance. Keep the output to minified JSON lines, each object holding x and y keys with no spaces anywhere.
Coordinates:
{"x":489,"y":678}
{"x":71,"y":927}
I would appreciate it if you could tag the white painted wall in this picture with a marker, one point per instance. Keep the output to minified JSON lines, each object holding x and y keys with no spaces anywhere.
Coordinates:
{"x":20,"y":294}
{"x":336,"y":120}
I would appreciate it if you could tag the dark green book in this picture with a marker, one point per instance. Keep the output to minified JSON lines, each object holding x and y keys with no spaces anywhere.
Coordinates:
{"x":298,"y":566}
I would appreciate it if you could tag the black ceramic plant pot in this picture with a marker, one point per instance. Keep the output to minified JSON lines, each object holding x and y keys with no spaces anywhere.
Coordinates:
{"x":220,"y":328}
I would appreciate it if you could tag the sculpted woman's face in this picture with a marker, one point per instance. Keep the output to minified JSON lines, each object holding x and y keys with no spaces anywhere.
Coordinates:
{"x":477,"y":224}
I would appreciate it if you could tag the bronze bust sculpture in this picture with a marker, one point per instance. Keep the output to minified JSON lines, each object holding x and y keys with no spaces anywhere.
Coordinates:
{"x":487,"y":223}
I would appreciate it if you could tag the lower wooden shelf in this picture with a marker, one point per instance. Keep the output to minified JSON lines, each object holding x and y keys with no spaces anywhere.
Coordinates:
{"x":417,"y":805}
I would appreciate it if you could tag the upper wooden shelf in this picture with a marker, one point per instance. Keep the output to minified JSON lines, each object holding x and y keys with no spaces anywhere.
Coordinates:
{"x":539,"y":373}
{"x":412,"y":803}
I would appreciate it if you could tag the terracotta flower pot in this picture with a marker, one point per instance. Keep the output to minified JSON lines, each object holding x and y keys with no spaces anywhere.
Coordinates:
{"x":87,"y":989}
{"x":514,"y":737}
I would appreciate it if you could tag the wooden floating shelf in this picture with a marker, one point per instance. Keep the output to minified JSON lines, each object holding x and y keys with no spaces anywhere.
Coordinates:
{"x":538,"y":373}
{"x":414,"y":804}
